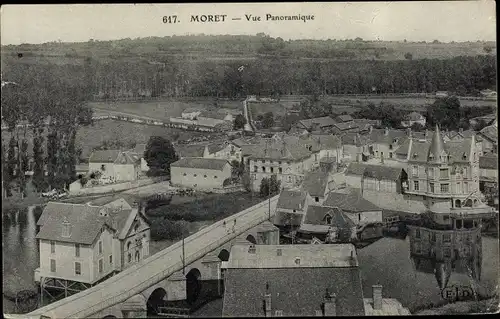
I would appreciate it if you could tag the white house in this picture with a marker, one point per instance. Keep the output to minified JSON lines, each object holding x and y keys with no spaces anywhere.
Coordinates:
{"x":191,"y":113}
{"x":87,"y":244}
{"x":200,"y":173}
{"x":412,"y":118}
{"x":115,"y":165}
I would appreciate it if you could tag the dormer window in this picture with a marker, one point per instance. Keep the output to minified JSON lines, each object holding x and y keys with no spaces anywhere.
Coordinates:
{"x":328,"y":219}
{"x":66,"y":229}
{"x":414,"y":155}
{"x":431,"y":156}
{"x":297,"y":260}
{"x":103,"y":167}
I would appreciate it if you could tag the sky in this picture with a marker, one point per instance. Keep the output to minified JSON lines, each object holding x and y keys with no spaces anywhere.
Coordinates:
{"x":445,"y":21}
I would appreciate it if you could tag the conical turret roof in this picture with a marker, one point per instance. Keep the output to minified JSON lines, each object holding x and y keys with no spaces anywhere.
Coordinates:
{"x":442,"y":272}
{"x":437,"y":147}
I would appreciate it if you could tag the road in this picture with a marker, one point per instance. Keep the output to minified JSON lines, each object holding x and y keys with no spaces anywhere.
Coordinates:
{"x":248,"y":125}
{"x":155,"y":268}
{"x":118,"y":113}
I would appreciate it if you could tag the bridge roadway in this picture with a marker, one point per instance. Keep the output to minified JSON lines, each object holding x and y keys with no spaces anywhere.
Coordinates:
{"x":155,"y":268}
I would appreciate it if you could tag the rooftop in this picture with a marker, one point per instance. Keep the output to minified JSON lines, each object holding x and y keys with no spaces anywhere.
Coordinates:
{"x":315,"y":183}
{"x":201,"y":163}
{"x":315,"y":219}
{"x":379,"y":172}
{"x":113,"y":156}
{"x":324,"y":121}
{"x":292,"y":199}
{"x":489,"y":161}
{"x":352,"y":201}
{"x":293,"y":256}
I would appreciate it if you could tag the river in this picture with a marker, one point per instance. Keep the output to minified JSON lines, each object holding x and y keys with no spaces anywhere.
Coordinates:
{"x":385,"y":262}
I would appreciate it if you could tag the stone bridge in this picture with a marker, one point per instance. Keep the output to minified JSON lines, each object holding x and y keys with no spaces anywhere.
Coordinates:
{"x":164,"y":276}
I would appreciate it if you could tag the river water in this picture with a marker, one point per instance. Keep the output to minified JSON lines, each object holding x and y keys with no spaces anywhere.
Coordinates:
{"x":386,"y":262}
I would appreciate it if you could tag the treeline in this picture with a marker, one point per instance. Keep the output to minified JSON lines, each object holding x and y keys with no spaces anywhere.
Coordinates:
{"x":53,"y":101}
{"x":179,"y":76}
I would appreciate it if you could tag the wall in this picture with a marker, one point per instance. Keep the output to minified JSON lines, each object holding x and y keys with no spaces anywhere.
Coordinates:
{"x":361,"y":218}
{"x":353,"y":181}
{"x":65,"y":261}
{"x":380,"y":185}
{"x":106,"y":237}
{"x":213,"y":179}
{"x":143,"y":249}
{"x":126,"y":172}
{"x":107,"y":173}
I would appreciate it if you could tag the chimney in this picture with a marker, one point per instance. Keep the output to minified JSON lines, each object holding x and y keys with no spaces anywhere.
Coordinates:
{"x":330,"y":305}
{"x":377,"y":297}
{"x":408,"y":132}
{"x":267,"y":301}
{"x":386,"y":131}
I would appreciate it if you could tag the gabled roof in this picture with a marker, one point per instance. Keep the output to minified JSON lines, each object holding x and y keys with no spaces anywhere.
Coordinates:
{"x":379,"y":172}
{"x":288,"y":149}
{"x":86,"y":222}
{"x":490,"y":132}
{"x":351,"y":201}
{"x":315,"y":183}
{"x":320,"y":121}
{"x":388,"y":136}
{"x":344,"y":118}
{"x":316,"y":215}
{"x":353,"y":138}
{"x":292,"y":199}
{"x":489,"y":161}
{"x":113,"y":156}
{"x":190,"y":150}
{"x":201,"y":163}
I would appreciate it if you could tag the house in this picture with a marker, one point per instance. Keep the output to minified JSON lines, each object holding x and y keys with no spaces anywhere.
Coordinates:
{"x":342,"y":128}
{"x":379,"y":306}
{"x":412,"y":118}
{"x":445,"y":176}
{"x":200,"y":173}
{"x":87,"y":244}
{"x":317,"y":184}
{"x":315,"y":124}
{"x":354,"y":147}
{"x":488,"y":177}
{"x":327,"y":223}
{"x":194,"y":150}
{"x":384,"y":142}
{"x":115,"y":165}
{"x":442,"y":94}
{"x":224,"y":150}
{"x":488,"y":137}
{"x":290,"y":208}
{"x":344,"y":118}
{"x":376,"y":178}
{"x":191,"y":113}
{"x":352,"y":203}
{"x":292,"y":280}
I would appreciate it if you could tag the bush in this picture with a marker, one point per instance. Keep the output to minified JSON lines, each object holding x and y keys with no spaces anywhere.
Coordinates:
{"x":162,"y":228}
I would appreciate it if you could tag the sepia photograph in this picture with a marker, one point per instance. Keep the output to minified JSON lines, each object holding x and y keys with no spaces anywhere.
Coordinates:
{"x":300,"y":159}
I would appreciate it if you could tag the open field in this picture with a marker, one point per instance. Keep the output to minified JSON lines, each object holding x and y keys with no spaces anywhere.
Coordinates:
{"x":261,"y":108}
{"x":402,"y":101}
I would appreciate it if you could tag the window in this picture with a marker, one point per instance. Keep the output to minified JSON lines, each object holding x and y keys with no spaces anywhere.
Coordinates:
{"x":447,"y":238}
{"x":445,"y":188}
{"x":110,"y":259}
{"x":205,"y":176}
{"x":390,"y":154}
{"x":458,"y":190}
{"x":447,"y":252}
{"x":415,"y":186}
{"x":52,"y":265}
{"x":464,"y":172}
{"x":77,"y":250}
{"x":415,"y":170}
{"x":280,"y":170}
{"x":272,"y":170}
{"x":101,"y":266}
{"x":417,"y":233}
{"x":446,"y":218}
{"x":103,"y":167}
{"x":255,"y":168}
{"x":78,"y":268}
{"x":263,"y":169}
{"x":278,"y":313}
{"x":52,"y":247}
{"x":417,"y":249}
{"x":316,"y":199}
{"x":381,"y":154}
{"x":390,"y":146}
{"x":431,"y":187}
{"x":215,"y":177}
{"x":100,"y":247}
{"x":279,"y":162}
{"x":466,"y":187}
{"x":433,"y":237}
{"x":129,"y":257}
{"x":195,"y":175}
{"x":184,"y":174}
{"x":128,"y":245}
{"x":444,"y":173}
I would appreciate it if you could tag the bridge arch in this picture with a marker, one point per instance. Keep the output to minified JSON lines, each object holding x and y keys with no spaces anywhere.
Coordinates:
{"x":156,"y":299}
{"x":108,"y":317}
{"x":193,"y":285}
{"x":251,"y":239}
{"x":224,"y":255}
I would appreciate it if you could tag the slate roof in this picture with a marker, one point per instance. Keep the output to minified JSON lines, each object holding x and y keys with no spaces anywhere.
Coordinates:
{"x":291,"y":199}
{"x":86,"y":222}
{"x":297,"y":290}
{"x":113,"y":156}
{"x":290,"y":149}
{"x":352,"y":201}
{"x":346,"y":126}
{"x":316,"y":215}
{"x":201,"y":163}
{"x":489,"y":161}
{"x":379,"y":136}
{"x":215,"y":147}
{"x":344,"y":118}
{"x":379,"y":172}
{"x":315,"y":183}
{"x":353,"y":138}
{"x":327,"y":141}
{"x":490,"y":132}
{"x":324,"y":121}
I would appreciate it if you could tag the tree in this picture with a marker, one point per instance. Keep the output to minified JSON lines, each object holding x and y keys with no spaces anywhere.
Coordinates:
{"x":408,"y":56}
{"x":159,"y":154}
{"x":445,"y":112}
{"x":487,"y":49}
{"x":239,"y":122}
{"x":417,"y":127}
{"x":268,"y":120}
{"x":269,"y":186}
